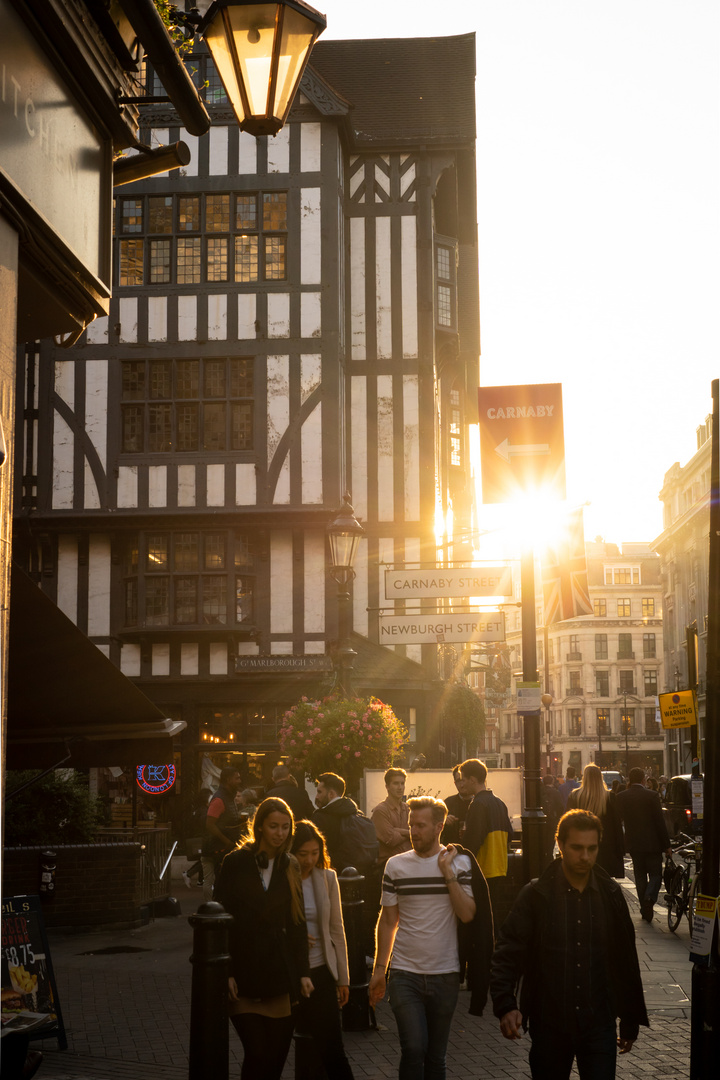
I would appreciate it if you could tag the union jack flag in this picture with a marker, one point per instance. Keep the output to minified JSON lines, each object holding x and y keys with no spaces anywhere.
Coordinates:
{"x":565,"y":583}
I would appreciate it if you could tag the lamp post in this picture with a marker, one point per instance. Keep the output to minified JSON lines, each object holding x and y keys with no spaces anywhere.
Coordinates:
{"x":626,"y":726}
{"x":547,"y":700}
{"x":344,"y":533}
{"x":260,"y":52}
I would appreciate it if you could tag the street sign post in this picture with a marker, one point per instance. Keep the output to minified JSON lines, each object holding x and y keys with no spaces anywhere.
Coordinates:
{"x":522,"y":444}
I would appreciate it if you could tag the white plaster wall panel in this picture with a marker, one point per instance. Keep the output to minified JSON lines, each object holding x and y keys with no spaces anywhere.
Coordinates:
{"x":382,"y":180}
{"x":314,"y":591}
{"x":157,"y":318}
{"x":278,"y":390}
{"x":96,"y":406}
{"x":360,"y":590}
{"x":281,"y":648}
{"x":193,"y":145}
{"x":245,"y":485}
{"x":247,"y":154}
{"x":161,"y":658}
{"x":310,"y":146}
{"x":187,"y":318}
{"x":278,"y":151}
{"x":128,"y":319}
{"x":386,"y":554}
{"x":248,"y":648}
{"x":159,"y":137}
{"x":356,"y":177}
{"x":408,"y":237}
{"x":247,"y":314}
{"x":104,"y":649}
{"x":310,"y":315}
{"x":412,"y":549}
{"x":414,"y":652}
{"x":127,"y":487}
{"x":282,"y":488}
{"x":311,"y":455}
{"x":281,"y":582}
{"x":310,"y":237}
{"x":278,"y":308}
{"x":186,"y":495}
{"x":157,"y":485}
{"x":99,"y":586}
{"x":65,"y":381}
{"x":97,"y":331}
{"x":91,"y":497}
{"x":130,"y":660}
{"x":411,"y":447}
{"x":218,"y":151}
{"x":385,"y":448}
{"x":215,"y":485}
{"x":358,"y":339}
{"x":189,"y":658}
{"x":63,"y":452}
{"x":358,"y":455}
{"x":67,"y":576}
{"x":314,"y":648}
{"x":217,"y":316}
{"x":407,"y":178}
{"x":383,"y":299}
{"x":218,"y":658}
{"x":310,"y":374}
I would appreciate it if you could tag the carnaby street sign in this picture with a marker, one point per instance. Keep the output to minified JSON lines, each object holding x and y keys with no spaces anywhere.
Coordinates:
{"x":449,"y":584}
{"x":420,"y":629}
{"x":522,"y":445}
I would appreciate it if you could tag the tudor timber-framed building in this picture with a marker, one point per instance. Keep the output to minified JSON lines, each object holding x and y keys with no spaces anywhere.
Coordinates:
{"x":291,"y":318}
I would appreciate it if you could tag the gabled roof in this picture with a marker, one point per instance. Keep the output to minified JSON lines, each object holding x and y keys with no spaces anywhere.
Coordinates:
{"x":404,"y":90}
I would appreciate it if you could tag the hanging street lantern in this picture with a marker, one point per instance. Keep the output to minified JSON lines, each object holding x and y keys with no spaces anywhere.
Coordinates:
{"x":260,"y":52}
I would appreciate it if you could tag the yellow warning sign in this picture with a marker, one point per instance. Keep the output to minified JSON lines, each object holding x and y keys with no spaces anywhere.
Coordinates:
{"x":678,"y":709}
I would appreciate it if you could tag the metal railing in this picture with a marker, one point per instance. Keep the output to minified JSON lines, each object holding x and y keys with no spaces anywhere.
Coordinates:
{"x":156,"y":851}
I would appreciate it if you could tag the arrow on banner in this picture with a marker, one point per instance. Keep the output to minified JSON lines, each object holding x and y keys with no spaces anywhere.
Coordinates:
{"x":506,"y":451}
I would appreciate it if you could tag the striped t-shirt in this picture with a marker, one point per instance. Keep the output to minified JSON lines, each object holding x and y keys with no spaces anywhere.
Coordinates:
{"x":426,"y":940}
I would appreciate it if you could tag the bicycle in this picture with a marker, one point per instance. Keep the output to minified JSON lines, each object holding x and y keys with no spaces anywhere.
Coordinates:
{"x":681,"y":882}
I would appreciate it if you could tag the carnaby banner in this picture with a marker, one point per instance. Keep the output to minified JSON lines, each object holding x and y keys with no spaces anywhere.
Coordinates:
{"x":448,"y":584}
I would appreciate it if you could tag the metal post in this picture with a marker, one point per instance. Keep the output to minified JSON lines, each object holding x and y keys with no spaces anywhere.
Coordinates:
{"x":705,"y":1014}
{"x":626,"y":726}
{"x":209,"y":993}
{"x":691,"y":643}
{"x":533,"y":817}
{"x":356,"y":1014}
{"x":345,"y":653}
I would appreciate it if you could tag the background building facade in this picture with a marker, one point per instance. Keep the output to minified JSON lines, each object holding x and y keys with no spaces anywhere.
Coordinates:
{"x":292,"y":318}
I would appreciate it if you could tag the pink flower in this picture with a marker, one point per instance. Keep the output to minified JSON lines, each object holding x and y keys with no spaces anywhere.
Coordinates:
{"x":293,"y":743}
{"x":338,"y":755}
{"x":357,"y":753}
{"x":308,"y":742}
{"x":346,"y":748}
{"x":303,"y":698}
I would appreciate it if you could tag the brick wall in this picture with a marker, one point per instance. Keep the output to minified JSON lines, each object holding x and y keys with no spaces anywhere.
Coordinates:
{"x":95,"y":884}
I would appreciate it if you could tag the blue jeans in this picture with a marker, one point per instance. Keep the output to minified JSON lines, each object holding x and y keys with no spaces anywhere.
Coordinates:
{"x":553,"y":1050}
{"x":423,"y":1006}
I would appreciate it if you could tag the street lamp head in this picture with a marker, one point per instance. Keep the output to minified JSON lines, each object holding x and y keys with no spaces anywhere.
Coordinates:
{"x":260,"y":52}
{"x":344,"y":533}
{"x":547,"y":700}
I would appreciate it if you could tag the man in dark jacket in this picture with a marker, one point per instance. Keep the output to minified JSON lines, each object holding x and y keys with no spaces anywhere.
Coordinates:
{"x":285,"y":787}
{"x":333,"y":806}
{"x":222,"y":827}
{"x":487,"y":829}
{"x":570,"y":938}
{"x":646,"y":838}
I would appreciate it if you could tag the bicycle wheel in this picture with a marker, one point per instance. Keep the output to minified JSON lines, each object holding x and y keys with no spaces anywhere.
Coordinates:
{"x":692,"y":897}
{"x":675,"y":910}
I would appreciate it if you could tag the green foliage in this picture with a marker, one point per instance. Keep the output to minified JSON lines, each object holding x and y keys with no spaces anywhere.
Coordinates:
{"x":55,"y":810}
{"x":175,"y":27}
{"x":341,"y":736}
{"x":462,"y":715}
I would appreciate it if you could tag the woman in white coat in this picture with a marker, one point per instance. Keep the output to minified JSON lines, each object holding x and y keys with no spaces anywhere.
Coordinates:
{"x":319,"y":1015}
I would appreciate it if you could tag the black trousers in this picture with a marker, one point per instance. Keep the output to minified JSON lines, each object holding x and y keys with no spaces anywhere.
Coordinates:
{"x":266,"y":1042}
{"x":319,"y":1017}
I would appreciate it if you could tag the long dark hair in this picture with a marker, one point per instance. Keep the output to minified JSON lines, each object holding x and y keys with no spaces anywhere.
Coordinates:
{"x":307,"y":833}
{"x":279,"y":806}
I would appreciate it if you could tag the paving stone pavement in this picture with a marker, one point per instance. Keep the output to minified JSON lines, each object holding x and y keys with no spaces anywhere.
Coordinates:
{"x":127,"y":1013}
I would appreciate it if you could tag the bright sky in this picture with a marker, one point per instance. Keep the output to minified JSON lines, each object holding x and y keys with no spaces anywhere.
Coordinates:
{"x":599,"y":225}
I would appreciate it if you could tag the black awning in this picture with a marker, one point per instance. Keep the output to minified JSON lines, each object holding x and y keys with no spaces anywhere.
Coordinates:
{"x":65,"y":696}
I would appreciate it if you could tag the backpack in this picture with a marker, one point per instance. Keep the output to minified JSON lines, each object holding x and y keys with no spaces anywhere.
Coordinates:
{"x":358,"y":843}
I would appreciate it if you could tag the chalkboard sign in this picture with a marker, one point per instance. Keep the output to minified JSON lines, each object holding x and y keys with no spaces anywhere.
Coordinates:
{"x":30,"y":1003}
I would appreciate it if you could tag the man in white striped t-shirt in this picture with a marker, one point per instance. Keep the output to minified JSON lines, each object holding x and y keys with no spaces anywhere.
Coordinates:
{"x":425,"y":892}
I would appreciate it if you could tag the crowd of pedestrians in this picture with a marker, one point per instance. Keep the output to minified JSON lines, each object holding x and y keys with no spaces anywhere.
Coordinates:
{"x":435,"y":871}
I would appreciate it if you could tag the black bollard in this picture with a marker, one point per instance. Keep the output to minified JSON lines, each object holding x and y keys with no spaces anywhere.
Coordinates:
{"x":209,"y":994}
{"x":356,"y":1015}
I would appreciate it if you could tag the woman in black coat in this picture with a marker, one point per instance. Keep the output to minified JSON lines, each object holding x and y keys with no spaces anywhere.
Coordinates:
{"x":593,"y":795}
{"x":260,"y":886}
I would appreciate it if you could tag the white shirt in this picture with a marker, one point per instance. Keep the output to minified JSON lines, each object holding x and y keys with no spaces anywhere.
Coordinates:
{"x":426,"y":939}
{"x":317,"y":959}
